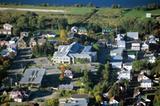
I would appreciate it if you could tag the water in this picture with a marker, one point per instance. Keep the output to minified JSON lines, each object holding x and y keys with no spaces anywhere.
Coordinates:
{"x":99,"y":3}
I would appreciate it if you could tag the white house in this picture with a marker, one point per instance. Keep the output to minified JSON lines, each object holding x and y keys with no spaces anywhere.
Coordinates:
{"x":74,"y":29}
{"x":7,"y":26}
{"x":49,"y":35}
{"x":127,"y":66}
{"x":7,"y":29}
{"x":119,"y":37}
{"x":152,"y":59}
{"x":71,"y":53}
{"x":145,"y":46}
{"x":121,"y":44}
{"x":116,"y":51}
{"x":136,"y":46}
{"x":116,"y":61}
{"x":24,"y":34}
{"x":145,"y":82}
{"x":133,"y":35}
{"x":75,"y":100}
{"x":152,"y":39}
{"x":113,"y":102}
{"x":18,"y":95}
{"x":124,"y":74}
{"x":68,"y":73}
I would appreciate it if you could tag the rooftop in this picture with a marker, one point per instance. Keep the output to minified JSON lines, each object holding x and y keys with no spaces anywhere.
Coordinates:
{"x":33,"y":76}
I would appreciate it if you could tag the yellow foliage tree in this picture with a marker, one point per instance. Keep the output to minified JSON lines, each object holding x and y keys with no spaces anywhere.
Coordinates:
{"x":63,"y":35}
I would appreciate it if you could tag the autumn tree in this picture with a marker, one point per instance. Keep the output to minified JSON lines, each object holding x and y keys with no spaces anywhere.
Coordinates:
{"x":63,"y":35}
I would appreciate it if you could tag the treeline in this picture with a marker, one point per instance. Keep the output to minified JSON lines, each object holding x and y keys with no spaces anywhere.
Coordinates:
{"x":31,"y":21}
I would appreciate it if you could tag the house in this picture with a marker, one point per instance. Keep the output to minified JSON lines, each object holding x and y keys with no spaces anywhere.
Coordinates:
{"x":19,"y":95}
{"x":152,"y":39}
{"x":22,"y":43}
{"x":106,"y":31}
{"x":134,"y":45}
{"x":40,"y":41}
{"x":82,"y":31}
{"x":8,"y":52}
{"x":74,"y":29}
{"x":7,"y":29}
{"x":131,"y":55}
{"x":121,"y":44}
{"x":74,"y":52}
{"x":124,"y":74}
{"x":127,"y":66}
{"x":150,"y":57}
{"x":119,"y":37}
{"x":68,"y":73}
{"x":116,"y":51}
{"x":113,"y":102}
{"x":75,"y":100}
{"x":145,"y":82}
{"x":132,"y":35}
{"x":33,"y":77}
{"x":49,"y":35}
{"x":145,"y":46}
{"x":66,"y":87}
{"x":24,"y":34}
{"x":116,"y":61}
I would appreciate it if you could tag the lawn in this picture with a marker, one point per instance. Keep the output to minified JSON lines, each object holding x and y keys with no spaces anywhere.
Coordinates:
{"x":140,"y":13}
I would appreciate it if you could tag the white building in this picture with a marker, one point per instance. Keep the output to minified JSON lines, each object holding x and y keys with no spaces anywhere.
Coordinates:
{"x":7,"y":29}
{"x":113,"y":102}
{"x":116,"y":61}
{"x":145,"y":46}
{"x":119,"y":37}
{"x":74,"y":29}
{"x":75,"y":100}
{"x":71,"y":53}
{"x":145,"y":82}
{"x":133,"y":35}
{"x":124,"y":74}
{"x":121,"y":44}
{"x":135,"y":46}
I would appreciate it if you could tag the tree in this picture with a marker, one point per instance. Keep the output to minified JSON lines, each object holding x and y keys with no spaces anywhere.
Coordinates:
{"x":156,"y":101}
{"x":52,"y":102}
{"x":98,"y":98}
{"x":138,"y":65}
{"x":96,"y":46}
{"x":63,"y":35}
{"x":86,"y":80}
{"x":105,"y":72}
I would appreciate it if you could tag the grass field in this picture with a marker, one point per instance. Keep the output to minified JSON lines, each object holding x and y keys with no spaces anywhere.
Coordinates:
{"x":140,"y":13}
{"x":103,"y":16}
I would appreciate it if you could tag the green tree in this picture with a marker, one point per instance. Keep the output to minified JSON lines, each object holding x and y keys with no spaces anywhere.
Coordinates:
{"x":52,"y":102}
{"x":96,"y":46}
{"x":138,"y":65}
{"x":106,"y":72}
{"x":156,"y":101}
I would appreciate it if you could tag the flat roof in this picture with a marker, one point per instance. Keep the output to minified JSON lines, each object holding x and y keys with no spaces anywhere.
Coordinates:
{"x":33,"y":76}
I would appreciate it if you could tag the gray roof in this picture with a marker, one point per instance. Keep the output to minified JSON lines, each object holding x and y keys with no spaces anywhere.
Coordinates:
{"x":133,"y":35}
{"x":74,"y":49}
{"x":33,"y":76}
{"x":117,"y":50}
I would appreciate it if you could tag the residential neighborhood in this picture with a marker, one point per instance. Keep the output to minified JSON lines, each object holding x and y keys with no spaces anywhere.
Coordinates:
{"x":53,"y":61}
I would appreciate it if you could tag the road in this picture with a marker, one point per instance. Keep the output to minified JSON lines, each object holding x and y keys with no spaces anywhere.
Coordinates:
{"x":33,"y":10}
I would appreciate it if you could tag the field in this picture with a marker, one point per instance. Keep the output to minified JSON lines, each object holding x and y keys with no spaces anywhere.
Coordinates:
{"x":102,"y":17}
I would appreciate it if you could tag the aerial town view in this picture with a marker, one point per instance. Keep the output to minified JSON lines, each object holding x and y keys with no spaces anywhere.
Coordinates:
{"x":79,"y":52}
